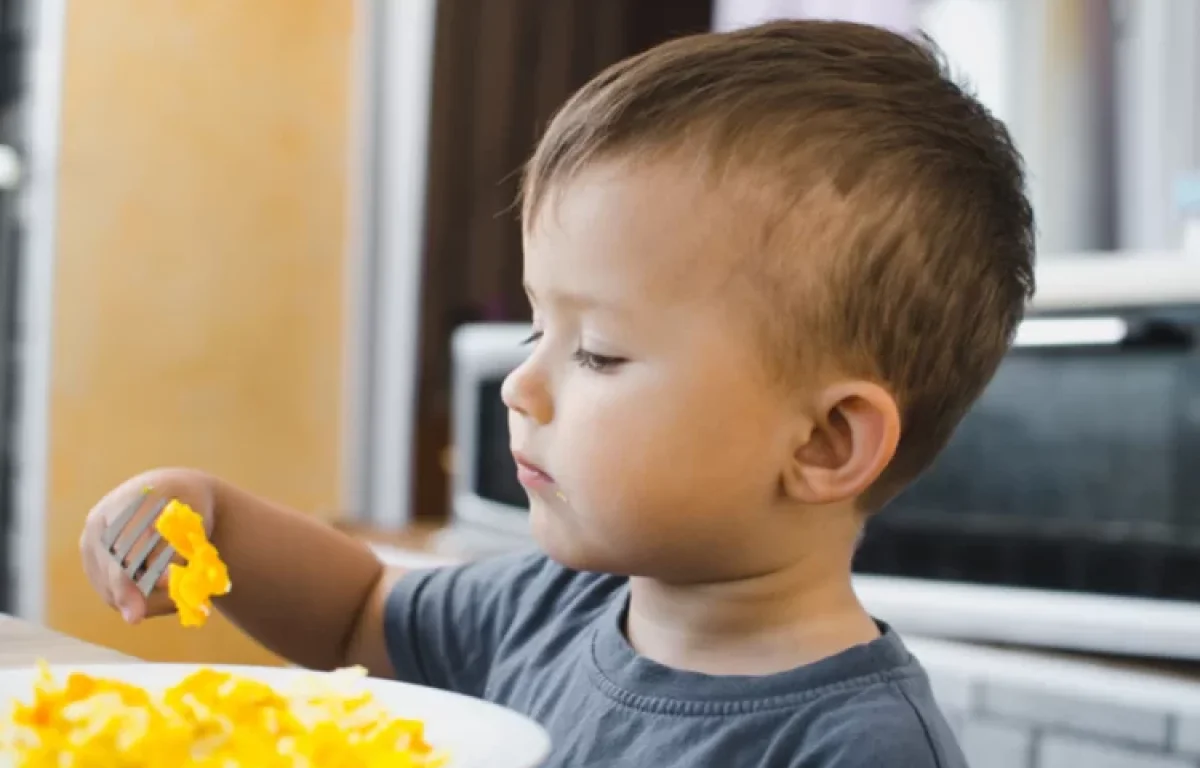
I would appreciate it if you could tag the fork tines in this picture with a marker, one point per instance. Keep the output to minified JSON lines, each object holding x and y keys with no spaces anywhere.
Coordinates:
{"x":121,"y":542}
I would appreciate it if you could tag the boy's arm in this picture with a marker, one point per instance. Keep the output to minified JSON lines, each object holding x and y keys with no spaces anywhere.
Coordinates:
{"x":304,"y":590}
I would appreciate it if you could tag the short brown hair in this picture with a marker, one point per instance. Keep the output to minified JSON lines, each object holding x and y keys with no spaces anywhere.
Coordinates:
{"x":921,"y":216}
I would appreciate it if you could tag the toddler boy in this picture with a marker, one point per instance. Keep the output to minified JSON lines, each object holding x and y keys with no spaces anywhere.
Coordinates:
{"x":769,"y":271}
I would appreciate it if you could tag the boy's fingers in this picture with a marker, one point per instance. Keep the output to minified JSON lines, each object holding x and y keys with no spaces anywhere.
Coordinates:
{"x":125,"y":596}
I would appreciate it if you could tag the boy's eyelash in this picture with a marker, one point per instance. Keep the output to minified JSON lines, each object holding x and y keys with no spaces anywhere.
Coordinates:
{"x":589,"y":360}
{"x":594,"y":362}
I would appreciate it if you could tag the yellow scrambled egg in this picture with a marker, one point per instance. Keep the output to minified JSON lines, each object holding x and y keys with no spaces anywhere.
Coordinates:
{"x":192,"y":586}
{"x":211,"y":719}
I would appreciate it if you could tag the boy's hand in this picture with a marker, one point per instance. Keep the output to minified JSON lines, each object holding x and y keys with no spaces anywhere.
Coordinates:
{"x":103,"y":571}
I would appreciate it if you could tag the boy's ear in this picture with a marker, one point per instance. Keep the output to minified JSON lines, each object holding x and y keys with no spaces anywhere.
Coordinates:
{"x":852,"y":437}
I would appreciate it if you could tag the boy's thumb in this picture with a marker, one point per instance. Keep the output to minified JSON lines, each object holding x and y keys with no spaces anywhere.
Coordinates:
{"x":131,"y":605}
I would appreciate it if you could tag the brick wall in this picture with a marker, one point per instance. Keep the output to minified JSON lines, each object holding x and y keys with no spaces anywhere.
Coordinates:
{"x":1108,"y":724}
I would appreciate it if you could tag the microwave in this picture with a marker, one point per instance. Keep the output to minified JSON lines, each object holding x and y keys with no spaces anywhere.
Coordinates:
{"x":1063,"y":513}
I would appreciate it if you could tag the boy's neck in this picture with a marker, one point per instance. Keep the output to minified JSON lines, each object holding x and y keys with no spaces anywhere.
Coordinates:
{"x":756,"y":626}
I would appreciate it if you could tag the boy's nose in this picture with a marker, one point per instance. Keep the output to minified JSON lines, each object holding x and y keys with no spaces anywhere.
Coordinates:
{"x":524,"y":391}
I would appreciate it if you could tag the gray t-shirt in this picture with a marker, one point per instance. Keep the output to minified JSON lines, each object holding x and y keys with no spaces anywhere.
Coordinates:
{"x":545,"y":641}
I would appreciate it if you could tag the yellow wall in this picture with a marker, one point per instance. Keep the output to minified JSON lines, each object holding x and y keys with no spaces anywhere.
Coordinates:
{"x":201,"y":246}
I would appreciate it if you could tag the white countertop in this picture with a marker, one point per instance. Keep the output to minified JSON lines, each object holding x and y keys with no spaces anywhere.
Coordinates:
{"x":1119,"y":279}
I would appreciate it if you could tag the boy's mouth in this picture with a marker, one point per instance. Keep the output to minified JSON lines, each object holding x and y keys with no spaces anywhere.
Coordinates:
{"x":531,"y":475}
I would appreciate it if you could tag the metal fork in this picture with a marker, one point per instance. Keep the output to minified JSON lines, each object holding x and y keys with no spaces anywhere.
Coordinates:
{"x":144,"y":575}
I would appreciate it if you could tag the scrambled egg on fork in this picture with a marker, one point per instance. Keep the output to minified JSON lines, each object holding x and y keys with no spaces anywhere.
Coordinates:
{"x":210,"y":719}
{"x":192,"y":586}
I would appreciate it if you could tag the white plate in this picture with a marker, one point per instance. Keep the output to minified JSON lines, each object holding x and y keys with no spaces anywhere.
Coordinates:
{"x":475,"y":733}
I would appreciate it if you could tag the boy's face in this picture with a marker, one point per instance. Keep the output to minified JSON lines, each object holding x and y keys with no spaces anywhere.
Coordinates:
{"x":645,"y":401}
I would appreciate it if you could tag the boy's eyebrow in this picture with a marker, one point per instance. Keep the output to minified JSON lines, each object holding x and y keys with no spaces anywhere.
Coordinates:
{"x":571,"y":299}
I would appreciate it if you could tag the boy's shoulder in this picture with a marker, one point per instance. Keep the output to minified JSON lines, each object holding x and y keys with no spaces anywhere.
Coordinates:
{"x":892,"y":721}
{"x":479,"y":611}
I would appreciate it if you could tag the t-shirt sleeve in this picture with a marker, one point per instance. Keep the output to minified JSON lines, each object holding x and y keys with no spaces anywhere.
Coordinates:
{"x":444,"y":626}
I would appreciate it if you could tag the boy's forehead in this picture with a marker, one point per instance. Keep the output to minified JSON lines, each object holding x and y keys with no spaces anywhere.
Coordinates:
{"x":621,"y":228}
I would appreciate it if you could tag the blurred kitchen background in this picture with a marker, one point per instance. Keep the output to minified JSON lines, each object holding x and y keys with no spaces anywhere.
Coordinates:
{"x":273,"y":239}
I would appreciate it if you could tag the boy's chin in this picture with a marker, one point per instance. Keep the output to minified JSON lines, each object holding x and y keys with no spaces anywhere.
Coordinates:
{"x":548,"y":533}
{"x":561,"y":544}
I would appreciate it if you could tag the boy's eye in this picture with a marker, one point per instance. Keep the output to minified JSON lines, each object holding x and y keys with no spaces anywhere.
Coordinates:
{"x":589,"y":360}
{"x":594,"y":362}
